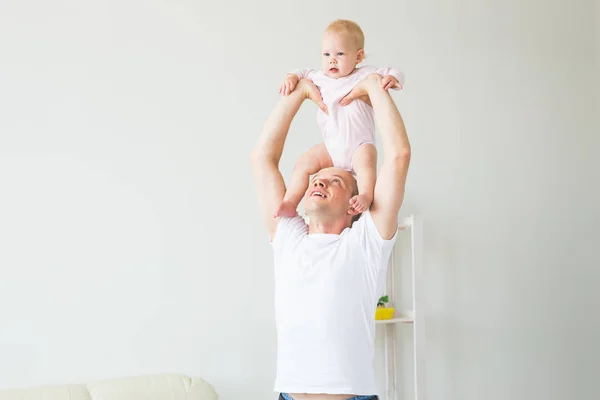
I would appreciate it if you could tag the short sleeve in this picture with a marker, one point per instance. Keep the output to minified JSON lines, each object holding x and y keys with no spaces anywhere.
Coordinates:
{"x":302,"y":73}
{"x":290,"y":231}
{"x":396,"y":73}
{"x":375,"y":247}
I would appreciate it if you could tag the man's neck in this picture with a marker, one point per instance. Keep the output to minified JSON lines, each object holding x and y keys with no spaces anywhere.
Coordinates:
{"x":319,"y":225}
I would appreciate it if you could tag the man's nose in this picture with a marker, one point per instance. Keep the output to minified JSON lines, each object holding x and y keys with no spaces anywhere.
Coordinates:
{"x":319,"y":183}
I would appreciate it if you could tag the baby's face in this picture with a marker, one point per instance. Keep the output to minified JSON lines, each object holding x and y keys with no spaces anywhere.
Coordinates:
{"x":339,"y":55}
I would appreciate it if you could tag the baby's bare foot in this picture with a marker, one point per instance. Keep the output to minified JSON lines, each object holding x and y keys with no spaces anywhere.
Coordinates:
{"x":361,"y":202}
{"x":286,"y":209}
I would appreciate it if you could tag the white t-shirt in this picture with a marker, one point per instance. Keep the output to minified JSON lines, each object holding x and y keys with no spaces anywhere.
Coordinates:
{"x":326,"y":292}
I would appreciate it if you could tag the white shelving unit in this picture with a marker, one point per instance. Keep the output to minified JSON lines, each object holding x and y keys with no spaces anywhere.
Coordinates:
{"x":413,"y":316}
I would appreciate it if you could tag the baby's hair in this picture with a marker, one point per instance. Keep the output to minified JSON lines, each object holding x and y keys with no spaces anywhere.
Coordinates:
{"x":350,"y":28}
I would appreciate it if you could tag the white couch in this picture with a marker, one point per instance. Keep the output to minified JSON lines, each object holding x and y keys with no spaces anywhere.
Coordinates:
{"x":148,"y":387}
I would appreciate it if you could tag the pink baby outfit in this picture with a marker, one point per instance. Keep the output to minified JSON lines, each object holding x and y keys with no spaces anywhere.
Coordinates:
{"x":346,"y":127}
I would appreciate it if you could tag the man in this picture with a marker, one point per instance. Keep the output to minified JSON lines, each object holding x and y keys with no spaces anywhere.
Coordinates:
{"x":330,"y":273}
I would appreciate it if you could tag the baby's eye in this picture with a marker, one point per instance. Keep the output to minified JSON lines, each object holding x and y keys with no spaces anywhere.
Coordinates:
{"x":326,"y":54}
{"x":340,"y":54}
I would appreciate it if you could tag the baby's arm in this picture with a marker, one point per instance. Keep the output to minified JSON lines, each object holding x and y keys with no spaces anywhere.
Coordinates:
{"x":293,"y":77}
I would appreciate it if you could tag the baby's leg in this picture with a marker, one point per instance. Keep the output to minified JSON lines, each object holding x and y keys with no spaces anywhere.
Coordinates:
{"x":309,"y":163}
{"x":364,"y":164}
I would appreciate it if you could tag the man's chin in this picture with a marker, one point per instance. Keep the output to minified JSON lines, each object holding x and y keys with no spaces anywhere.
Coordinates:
{"x":317,"y":210}
{"x":311,"y":207}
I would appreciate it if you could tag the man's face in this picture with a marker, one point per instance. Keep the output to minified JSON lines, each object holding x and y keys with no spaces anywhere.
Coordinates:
{"x":329,"y":193}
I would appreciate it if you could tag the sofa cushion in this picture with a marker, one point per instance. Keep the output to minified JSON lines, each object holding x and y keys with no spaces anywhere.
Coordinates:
{"x":147,"y":387}
{"x":153,"y":387}
{"x":62,"y":392}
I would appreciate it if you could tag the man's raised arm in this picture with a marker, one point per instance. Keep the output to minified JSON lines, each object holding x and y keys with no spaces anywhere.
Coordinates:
{"x":270,"y":186}
{"x":389,"y":188}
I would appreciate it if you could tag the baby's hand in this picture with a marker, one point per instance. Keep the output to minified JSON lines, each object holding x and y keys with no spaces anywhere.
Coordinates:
{"x":289,"y":84}
{"x":390,"y":82}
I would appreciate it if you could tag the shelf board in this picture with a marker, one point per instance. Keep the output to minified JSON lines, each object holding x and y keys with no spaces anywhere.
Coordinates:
{"x":404,"y":317}
{"x":405,"y":223}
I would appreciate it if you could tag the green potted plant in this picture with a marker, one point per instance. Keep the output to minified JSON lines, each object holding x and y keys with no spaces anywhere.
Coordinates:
{"x":382,"y":312}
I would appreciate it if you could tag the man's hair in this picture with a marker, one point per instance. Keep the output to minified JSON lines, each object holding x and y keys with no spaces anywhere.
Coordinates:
{"x":350,"y":28}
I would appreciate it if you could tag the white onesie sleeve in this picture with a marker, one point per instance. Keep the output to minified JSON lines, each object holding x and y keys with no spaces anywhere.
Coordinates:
{"x":393,"y":72}
{"x":304,"y":73}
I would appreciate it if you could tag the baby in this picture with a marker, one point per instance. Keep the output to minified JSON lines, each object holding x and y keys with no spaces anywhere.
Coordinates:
{"x":348,"y":131}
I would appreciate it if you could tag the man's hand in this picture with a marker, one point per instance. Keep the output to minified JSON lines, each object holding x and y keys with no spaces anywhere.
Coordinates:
{"x":360,"y":91}
{"x":289,"y":84}
{"x":310,"y":91}
{"x":390,"y":82}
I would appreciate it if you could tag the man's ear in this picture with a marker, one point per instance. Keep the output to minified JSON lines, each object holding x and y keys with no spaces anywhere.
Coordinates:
{"x":360,"y":56}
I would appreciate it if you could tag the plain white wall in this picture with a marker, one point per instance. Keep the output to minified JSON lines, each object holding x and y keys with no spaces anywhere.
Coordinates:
{"x":129,"y":236}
